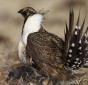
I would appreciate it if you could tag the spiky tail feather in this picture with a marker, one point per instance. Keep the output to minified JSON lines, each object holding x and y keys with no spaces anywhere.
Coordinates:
{"x":76,"y":43}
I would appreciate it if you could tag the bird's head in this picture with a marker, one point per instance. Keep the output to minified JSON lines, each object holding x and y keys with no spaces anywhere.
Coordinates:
{"x":27,"y":11}
{"x":32,"y":21}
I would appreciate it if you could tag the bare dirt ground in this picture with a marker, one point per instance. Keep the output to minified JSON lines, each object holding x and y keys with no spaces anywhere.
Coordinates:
{"x":11,"y":25}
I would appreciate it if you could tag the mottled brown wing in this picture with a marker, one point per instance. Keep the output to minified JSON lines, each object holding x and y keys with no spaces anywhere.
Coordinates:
{"x":46,"y":50}
{"x":45,"y":47}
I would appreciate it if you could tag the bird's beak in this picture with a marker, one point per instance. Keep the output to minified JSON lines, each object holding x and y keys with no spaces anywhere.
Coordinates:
{"x":20,"y":11}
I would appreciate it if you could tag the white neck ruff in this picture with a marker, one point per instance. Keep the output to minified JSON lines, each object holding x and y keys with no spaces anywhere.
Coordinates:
{"x":32,"y":24}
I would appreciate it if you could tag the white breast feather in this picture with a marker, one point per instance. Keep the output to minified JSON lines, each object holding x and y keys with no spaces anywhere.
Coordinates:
{"x":33,"y":24}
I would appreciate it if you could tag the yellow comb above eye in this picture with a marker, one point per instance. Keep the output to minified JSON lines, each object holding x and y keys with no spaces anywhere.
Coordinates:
{"x":26,"y":9}
{"x":29,"y":9}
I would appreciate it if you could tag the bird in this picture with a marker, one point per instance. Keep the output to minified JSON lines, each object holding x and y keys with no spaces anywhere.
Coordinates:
{"x":46,"y":51}
{"x":44,"y":48}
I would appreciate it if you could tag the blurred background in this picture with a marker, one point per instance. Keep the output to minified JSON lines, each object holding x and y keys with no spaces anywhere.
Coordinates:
{"x":11,"y":22}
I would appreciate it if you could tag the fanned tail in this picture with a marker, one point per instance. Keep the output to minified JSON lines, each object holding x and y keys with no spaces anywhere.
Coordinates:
{"x":69,"y":30}
{"x":76,"y":43}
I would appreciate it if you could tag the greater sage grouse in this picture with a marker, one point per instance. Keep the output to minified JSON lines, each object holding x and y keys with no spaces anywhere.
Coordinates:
{"x":47,"y":53}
